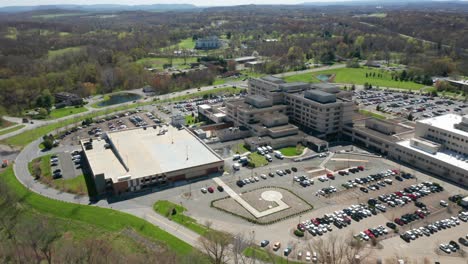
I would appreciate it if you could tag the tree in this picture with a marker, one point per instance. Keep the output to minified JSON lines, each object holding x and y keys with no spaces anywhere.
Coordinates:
{"x":216,"y":245}
{"x":410,"y":116}
{"x":336,"y":250}
{"x":327,"y":57}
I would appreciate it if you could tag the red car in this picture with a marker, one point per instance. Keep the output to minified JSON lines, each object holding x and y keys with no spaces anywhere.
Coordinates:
{"x":399,"y":194}
{"x":369,"y":233}
{"x":347,"y":219}
{"x":301,"y":227}
{"x":398,"y":221}
{"x":210,"y":189}
{"x":315,"y":221}
{"x":396,"y":171}
{"x":330,"y":176}
{"x":361,"y":168}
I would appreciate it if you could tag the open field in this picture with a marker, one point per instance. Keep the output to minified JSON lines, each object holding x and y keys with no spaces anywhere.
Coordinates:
{"x":55,"y":53}
{"x":187,"y":43}
{"x":11,"y":129}
{"x":175,"y":213}
{"x":357,"y":76}
{"x":61,"y":112}
{"x":12,"y":33}
{"x":157,"y":63}
{"x":103,"y":219}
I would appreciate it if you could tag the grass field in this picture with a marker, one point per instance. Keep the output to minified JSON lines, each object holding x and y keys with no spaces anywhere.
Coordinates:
{"x":371,"y":114}
{"x":292,"y":151}
{"x":175,"y":212}
{"x":29,"y":136}
{"x":61,"y":112}
{"x":11,"y":129}
{"x":357,"y":76}
{"x":262,"y":255}
{"x":187,"y":43}
{"x":103,"y":219}
{"x":55,"y":53}
{"x":258,"y":159}
{"x":158,"y":63}
{"x":12,"y":33}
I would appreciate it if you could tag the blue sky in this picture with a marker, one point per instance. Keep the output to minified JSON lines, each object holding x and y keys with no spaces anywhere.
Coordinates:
{"x":145,"y":2}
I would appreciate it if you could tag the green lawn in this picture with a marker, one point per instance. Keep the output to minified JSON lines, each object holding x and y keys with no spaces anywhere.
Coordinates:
{"x":55,"y":53}
{"x":12,"y":33}
{"x":357,"y":76}
{"x":158,"y":63}
{"x":371,"y":114}
{"x":175,"y":212}
{"x":292,"y":151}
{"x":61,"y":112}
{"x":263,"y":255}
{"x":258,"y":159}
{"x":11,"y":129}
{"x":105,"y":219}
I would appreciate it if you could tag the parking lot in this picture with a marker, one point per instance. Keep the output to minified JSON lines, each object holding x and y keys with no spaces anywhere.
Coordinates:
{"x":401,"y":104}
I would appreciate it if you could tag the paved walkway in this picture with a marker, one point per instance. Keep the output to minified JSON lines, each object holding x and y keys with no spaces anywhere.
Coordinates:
{"x":281,"y":205}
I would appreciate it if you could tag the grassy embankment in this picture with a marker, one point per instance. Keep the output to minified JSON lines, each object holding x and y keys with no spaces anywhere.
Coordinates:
{"x":95,"y":220}
{"x":66,"y":111}
{"x":371,"y":114}
{"x":11,"y":129}
{"x":175,"y":213}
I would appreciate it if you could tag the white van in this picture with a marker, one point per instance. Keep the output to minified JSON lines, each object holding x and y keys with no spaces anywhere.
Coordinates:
{"x":270,"y":149}
{"x":236,"y":166}
{"x":268,"y":157}
{"x":279,"y":155}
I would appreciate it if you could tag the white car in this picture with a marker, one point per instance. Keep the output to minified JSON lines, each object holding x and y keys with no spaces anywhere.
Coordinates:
{"x":314,"y":257}
{"x":308,"y":256}
{"x":263,"y":176}
{"x":443,"y":203}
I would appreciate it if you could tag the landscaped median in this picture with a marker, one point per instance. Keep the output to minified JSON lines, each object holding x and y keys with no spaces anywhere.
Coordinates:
{"x":175,"y":213}
{"x":106,"y":219}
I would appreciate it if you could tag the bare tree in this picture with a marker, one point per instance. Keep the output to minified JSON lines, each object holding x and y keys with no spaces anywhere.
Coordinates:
{"x":239,"y":244}
{"x":335,"y":250}
{"x":216,"y":245}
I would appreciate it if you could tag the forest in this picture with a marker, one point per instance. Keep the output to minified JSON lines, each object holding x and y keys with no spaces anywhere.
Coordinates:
{"x":48,"y":51}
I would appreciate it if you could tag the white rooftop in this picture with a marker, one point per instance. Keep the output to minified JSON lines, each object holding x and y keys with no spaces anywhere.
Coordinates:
{"x":446,"y":122}
{"x":444,"y":156}
{"x":145,"y":153}
{"x":204,"y":106}
{"x":245,"y":58}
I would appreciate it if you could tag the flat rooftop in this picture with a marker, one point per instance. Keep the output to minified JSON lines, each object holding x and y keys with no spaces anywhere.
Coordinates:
{"x":443,"y":156}
{"x":445,"y":122}
{"x":145,"y":153}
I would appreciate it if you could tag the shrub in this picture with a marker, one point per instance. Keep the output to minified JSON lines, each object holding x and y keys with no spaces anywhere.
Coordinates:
{"x":298,"y":233}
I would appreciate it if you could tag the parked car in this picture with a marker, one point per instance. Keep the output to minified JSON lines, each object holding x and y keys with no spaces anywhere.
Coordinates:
{"x":264,"y":243}
{"x":220,"y":188}
{"x":276,"y":246}
{"x":210,"y":189}
{"x":204,"y":190}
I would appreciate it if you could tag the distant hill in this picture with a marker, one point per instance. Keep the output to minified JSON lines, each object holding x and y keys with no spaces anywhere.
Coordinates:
{"x":384,"y":2}
{"x":100,"y":8}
